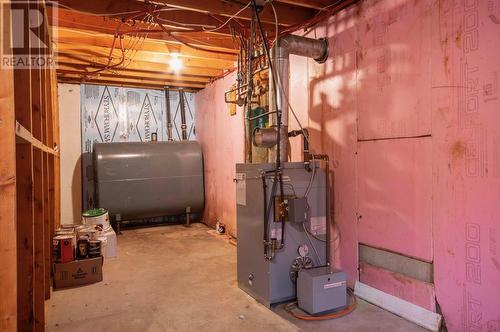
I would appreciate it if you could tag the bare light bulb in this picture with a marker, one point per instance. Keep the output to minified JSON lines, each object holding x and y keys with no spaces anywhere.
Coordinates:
{"x":175,"y":63}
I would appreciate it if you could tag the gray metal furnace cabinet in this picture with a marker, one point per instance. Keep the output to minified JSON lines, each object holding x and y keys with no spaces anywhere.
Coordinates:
{"x":267,"y":281}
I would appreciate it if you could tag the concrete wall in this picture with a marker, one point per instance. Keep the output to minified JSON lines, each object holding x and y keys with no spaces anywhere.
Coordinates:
{"x":70,"y":152}
{"x":407,"y":109}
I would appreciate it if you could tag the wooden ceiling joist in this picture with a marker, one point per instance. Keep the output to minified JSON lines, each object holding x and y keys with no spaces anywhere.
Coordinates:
{"x":85,"y":36}
{"x":127,"y":85}
{"x":124,"y":75}
{"x":121,"y":81}
{"x":68,"y":69}
{"x":313,"y":4}
{"x":287,"y":14}
{"x":148,"y":68}
{"x":80,"y":38}
{"x":100,"y":55}
{"x":89,"y":23}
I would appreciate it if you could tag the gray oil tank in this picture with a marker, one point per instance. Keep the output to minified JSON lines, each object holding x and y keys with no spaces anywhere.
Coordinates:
{"x":149,"y":179}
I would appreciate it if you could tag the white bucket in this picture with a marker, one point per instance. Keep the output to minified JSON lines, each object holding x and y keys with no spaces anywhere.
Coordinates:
{"x":97,"y":217}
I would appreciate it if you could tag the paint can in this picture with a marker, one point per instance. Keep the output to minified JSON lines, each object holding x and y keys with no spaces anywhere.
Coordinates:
{"x":94,"y":248}
{"x":63,"y":248}
{"x":82,"y":250}
{"x":68,"y":226}
{"x":67,"y":232}
{"x":64,"y":231}
{"x":97,"y":217}
{"x":89,"y":232}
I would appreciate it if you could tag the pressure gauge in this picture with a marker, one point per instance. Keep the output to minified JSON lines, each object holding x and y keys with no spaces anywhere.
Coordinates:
{"x":303,"y":250}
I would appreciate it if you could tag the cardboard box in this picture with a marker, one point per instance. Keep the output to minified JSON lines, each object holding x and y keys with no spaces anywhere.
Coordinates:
{"x":77,"y":273}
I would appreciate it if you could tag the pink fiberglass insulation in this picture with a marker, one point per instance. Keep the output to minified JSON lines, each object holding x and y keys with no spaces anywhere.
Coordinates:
{"x":222,"y":142}
{"x":407,"y":107}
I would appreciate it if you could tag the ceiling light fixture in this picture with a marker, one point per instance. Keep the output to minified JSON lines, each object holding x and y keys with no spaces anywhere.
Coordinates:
{"x":175,"y":63}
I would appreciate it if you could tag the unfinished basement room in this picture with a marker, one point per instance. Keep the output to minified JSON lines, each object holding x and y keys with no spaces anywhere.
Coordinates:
{"x":250,"y":165}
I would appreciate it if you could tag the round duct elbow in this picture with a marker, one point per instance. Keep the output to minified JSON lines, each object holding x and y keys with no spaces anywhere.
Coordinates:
{"x":323,"y":56}
{"x":265,"y":137}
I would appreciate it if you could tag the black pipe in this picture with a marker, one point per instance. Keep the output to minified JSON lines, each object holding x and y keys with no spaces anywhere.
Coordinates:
{"x":266,"y":222}
{"x":278,"y":171}
{"x":169,"y":114}
{"x":183,"y":115}
{"x":306,"y":154}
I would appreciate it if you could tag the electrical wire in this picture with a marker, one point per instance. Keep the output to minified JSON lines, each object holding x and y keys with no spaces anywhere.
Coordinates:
{"x":277,"y":78}
{"x":311,"y":180}
{"x":183,"y":24}
{"x":277,"y":174}
{"x":169,"y":33}
{"x":276,"y":26}
{"x":290,"y":307}
{"x":310,"y":242}
{"x":110,"y":57}
{"x":328,"y":6}
{"x":321,"y":15}
{"x":229,"y":19}
{"x":142,"y":39}
{"x":58,"y":4}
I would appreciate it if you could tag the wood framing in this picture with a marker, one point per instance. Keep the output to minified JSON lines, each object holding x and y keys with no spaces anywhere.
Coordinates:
{"x":289,"y":14}
{"x":86,"y":30}
{"x":8,"y":239}
{"x":29,"y":185}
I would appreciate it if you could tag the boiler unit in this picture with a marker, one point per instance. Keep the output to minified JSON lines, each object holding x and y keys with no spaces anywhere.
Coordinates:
{"x":283,"y":208}
{"x":265,"y":271}
{"x":149,"y":179}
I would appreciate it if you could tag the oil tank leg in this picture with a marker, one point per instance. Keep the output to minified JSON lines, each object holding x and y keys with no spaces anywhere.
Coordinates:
{"x":188,"y":215}
{"x":118,"y":224}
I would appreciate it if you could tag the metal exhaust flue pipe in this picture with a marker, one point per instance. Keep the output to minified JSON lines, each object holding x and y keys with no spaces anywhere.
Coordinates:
{"x":316,"y":49}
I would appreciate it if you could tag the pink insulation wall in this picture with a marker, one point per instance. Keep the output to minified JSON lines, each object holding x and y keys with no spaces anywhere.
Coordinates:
{"x":407,"y":106}
{"x":222,"y":142}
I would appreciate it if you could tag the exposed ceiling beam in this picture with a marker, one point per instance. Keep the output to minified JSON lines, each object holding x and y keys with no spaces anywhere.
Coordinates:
{"x":65,"y":69}
{"x":70,"y":80}
{"x":313,"y":4}
{"x":78,"y":21}
{"x":176,"y":18}
{"x":122,"y":80}
{"x":84,"y":38}
{"x":100,"y":55}
{"x":287,"y":14}
{"x":148,"y":68}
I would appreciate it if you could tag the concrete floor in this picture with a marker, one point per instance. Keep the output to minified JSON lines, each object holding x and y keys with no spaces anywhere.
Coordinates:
{"x":174,"y":278}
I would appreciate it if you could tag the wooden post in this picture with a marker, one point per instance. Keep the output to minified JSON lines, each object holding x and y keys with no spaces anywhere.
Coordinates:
{"x":8,"y":241}
{"x":25,"y":229}
{"x":25,"y":257}
{"x":29,"y":190}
